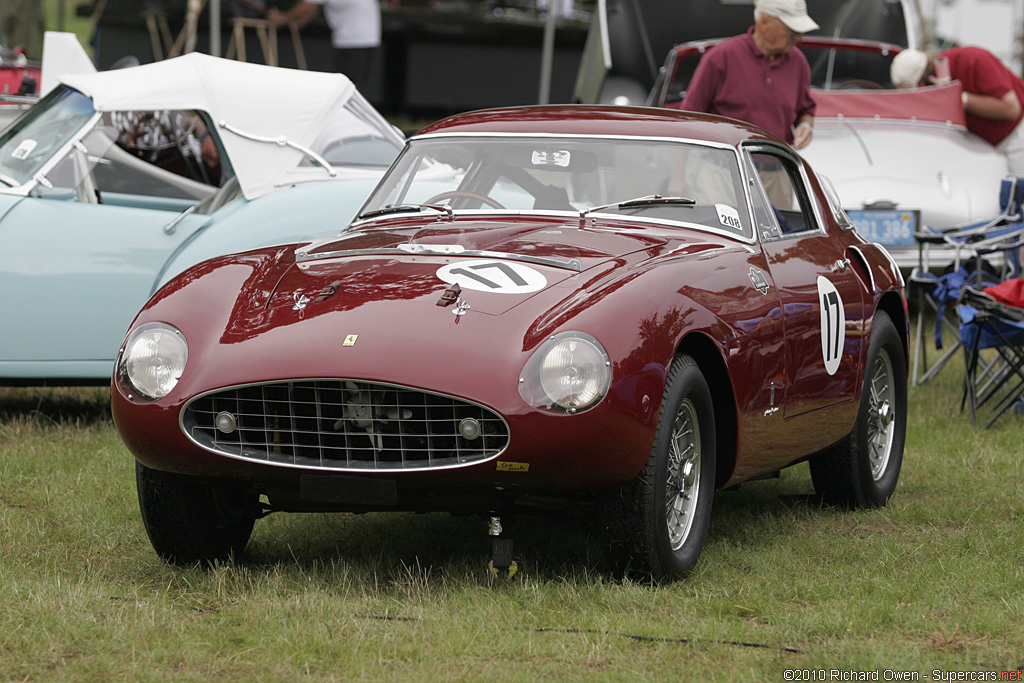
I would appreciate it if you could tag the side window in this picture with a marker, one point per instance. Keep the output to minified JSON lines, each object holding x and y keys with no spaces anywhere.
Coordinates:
{"x":834,"y":205}
{"x":783,"y":187}
{"x":74,"y":174}
{"x":767,"y":225}
{"x":168,"y":153}
{"x":106,"y":166}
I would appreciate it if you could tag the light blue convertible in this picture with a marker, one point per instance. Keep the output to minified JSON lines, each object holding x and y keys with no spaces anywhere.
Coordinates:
{"x":116,"y":181}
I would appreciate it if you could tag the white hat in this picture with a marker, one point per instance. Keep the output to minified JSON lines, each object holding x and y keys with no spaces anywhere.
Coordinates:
{"x":908,"y":68}
{"x":792,"y":13}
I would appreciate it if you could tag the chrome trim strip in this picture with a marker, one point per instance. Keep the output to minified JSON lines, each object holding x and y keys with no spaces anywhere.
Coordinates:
{"x":281,"y":141}
{"x":576,"y":136}
{"x":302,"y":255}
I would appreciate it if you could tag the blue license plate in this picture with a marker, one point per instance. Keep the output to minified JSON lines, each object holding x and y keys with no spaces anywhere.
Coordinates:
{"x":888,"y":227}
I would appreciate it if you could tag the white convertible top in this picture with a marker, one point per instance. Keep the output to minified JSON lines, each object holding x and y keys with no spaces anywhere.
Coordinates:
{"x":262,"y":101}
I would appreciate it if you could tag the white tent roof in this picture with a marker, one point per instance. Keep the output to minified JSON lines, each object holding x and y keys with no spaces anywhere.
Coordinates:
{"x":263,"y":101}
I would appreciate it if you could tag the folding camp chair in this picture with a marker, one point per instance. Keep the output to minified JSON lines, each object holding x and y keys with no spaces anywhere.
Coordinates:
{"x":975,"y":246}
{"x":989,"y":324}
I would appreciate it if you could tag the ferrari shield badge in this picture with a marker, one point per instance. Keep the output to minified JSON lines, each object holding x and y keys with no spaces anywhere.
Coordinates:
{"x":758,"y":279}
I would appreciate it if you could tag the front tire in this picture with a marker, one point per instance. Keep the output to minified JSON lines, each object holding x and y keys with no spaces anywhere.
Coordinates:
{"x":190,"y":521}
{"x":655,"y":526}
{"x":861,"y":470}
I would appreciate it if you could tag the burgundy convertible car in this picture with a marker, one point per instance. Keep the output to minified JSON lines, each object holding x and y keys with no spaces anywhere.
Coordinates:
{"x":631,"y":306}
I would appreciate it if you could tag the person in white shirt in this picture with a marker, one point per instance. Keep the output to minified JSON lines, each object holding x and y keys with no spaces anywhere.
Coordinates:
{"x":355,"y":31}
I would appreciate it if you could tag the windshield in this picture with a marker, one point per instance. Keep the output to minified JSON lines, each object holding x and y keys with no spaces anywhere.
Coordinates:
{"x":34,"y":138}
{"x":679,"y":182}
{"x":356,"y":136}
{"x":839,"y":68}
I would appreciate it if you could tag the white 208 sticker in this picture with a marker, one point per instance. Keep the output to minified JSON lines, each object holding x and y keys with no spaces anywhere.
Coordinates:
{"x":728,"y":216}
{"x":833,"y":324}
{"x":501,"y":277}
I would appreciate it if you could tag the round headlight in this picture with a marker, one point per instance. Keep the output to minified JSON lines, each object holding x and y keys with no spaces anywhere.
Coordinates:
{"x":153,"y":359}
{"x":569,"y":372}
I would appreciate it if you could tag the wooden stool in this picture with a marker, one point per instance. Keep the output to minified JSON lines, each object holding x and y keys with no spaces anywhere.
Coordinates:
{"x":159,"y":33}
{"x":268,"y":40}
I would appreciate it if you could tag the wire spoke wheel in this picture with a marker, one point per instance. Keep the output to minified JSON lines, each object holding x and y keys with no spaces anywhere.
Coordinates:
{"x":683,"y":476}
{"x":862,"y":469}
{"x":654,"y":527}
{"x":881,"y":423}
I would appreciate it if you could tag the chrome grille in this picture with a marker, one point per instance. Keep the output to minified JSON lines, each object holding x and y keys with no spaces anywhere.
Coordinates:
{"x":343,"y":425}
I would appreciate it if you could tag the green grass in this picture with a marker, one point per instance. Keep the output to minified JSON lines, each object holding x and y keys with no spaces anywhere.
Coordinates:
{"x":933,"y":581}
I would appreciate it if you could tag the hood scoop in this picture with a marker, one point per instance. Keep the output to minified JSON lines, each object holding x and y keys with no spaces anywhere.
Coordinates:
{"x":436,"y":250}
{"x":478,"y":266}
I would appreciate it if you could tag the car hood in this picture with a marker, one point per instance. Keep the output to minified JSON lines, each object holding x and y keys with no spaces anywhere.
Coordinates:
{"x":372,"y":303}
{"x":950,"y":175}
{"x":496,"y":266}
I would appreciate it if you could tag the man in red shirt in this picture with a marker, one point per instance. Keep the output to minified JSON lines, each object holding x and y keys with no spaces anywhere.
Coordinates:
{"x":992,"y":94}
{"x":761,"y":77}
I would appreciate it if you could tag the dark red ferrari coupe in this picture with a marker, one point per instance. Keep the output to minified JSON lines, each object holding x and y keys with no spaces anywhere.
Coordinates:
{"x":630,"y":306}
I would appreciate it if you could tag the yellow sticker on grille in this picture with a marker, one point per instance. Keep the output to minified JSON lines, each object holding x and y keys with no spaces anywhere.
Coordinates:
{"x":513,"y":466}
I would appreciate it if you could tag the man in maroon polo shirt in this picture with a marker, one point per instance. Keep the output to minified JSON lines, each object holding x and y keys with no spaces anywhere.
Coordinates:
{"x":760,"y":77}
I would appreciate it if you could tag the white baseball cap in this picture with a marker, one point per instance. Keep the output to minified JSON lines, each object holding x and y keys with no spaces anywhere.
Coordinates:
{"x":792,"y":13}
{"x":908,"y":68}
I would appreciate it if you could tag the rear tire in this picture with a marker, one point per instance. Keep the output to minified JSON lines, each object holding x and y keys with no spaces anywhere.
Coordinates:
{"x":191,"y":521}
{"x":655,"y":526}
{"x":861,"y":470}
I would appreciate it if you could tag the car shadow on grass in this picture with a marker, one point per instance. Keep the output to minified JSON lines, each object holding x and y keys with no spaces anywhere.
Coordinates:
{"x":555,"y":547}
{"x":56,"y":405}
{"x":441,"y":545}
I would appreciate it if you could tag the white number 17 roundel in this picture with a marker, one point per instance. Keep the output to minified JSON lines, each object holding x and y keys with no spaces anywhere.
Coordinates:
{"x":833,"y":324}
{"x":489,"y":275}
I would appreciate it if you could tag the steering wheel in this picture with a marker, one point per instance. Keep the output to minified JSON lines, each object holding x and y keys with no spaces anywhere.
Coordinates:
{"x":860,"y":83}
{"x":168,"y":139}
{"x":152,"y":131}
{"x":468,"y":195}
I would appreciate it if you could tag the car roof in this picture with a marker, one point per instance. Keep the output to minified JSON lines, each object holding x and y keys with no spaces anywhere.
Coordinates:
{"x":600,"y":120}
{"x":269,"y":102}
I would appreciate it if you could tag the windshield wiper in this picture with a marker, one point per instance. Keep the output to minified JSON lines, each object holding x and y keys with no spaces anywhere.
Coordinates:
{"x":8,"y":180}
{"x":655,"y":199}
{"x":407,"y":208}
{"x":649,"y":200}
